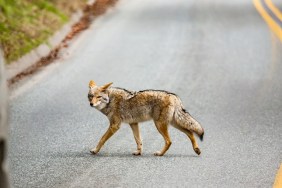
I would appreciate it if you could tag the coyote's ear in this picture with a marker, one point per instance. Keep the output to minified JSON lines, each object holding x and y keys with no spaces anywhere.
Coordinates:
{"x":106,"y":86}
{"x":92,"y":84}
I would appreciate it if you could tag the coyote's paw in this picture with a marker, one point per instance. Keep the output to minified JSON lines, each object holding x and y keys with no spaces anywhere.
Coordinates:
{"x":138,"y":152}
{"x":158,"y":153}
{"x":94,"y":151}
{"x":197,"y":150}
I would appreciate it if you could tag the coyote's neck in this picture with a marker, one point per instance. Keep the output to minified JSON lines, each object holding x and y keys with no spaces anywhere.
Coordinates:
{"x":107,"y":109}
{"x":115,"y":95}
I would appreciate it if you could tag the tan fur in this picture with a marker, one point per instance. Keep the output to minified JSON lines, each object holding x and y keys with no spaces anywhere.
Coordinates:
{"x":92,"y":83}
{"x":164,"y":108}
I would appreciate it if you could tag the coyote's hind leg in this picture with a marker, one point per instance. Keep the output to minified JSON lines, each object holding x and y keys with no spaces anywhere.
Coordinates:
{"x":190,"y":136}
{"x":163,"y":130}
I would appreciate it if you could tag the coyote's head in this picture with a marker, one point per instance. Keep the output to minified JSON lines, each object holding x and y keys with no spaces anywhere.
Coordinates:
{"x":98,"y":96}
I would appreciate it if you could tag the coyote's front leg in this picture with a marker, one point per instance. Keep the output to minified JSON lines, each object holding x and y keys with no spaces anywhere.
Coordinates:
{"x":111,"y":130}
{"x":137,"y":137}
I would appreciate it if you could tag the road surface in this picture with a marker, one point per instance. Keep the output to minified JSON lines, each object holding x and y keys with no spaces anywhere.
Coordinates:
{"x":221,"y":59}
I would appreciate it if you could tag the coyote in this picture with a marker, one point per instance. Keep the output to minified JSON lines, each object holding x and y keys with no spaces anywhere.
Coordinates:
{"x":164,"y":108}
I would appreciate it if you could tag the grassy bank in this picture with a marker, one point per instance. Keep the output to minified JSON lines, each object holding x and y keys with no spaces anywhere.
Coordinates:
{"x":25,"y":24}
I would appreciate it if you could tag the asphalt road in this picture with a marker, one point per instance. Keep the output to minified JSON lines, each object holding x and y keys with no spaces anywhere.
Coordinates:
{"x":219,"y":57}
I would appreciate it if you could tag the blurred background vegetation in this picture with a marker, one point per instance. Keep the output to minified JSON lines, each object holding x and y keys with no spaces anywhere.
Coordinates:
{"x":25,"y":24}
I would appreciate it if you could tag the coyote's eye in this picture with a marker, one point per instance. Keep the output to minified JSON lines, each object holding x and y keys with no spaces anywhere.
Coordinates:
{"x":90,"y":96}
{"x":99,"y":97}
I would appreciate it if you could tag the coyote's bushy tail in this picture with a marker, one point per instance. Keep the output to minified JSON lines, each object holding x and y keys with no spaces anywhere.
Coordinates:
{"x":186,"y":121}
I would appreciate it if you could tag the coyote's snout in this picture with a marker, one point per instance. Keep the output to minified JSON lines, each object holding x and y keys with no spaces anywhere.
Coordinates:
{"x":164,"y":108}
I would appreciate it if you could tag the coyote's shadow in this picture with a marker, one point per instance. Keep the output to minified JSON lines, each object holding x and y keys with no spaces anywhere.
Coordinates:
{"x":145,"y":155}
{"x":83,"y":154}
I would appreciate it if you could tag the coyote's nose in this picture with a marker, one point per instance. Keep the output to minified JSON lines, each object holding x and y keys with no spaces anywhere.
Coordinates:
{"x":91,"y":104}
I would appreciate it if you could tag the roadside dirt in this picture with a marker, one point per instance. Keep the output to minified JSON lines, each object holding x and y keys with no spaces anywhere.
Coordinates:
{"x":90,"y":13}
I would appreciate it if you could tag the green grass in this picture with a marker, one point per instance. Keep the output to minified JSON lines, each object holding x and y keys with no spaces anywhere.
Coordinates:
{"x":25,"y":24}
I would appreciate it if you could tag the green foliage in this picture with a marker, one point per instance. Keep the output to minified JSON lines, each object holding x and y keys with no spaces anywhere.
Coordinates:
{"x":25,"y":24}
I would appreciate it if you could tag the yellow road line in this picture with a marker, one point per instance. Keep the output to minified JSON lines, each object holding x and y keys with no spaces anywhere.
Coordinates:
{"x":271,"y":23}
{"x":274,"y":9}
{"x":278,"y":179}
